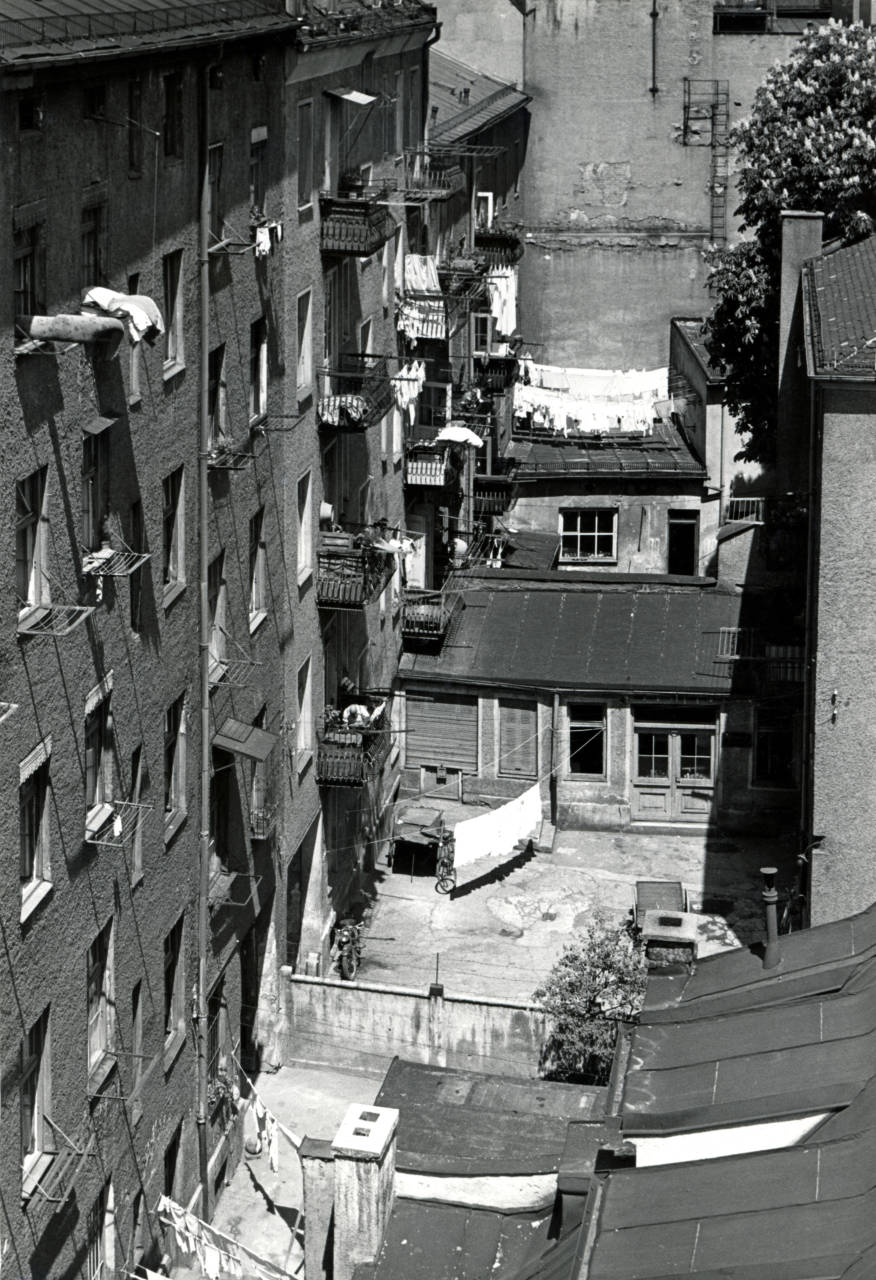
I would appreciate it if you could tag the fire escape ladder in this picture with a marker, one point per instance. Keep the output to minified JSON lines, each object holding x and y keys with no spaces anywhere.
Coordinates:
{"x":720,"y":167}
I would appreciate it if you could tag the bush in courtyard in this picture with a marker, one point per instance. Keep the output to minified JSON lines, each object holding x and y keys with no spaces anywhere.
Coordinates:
{"x":598,"y":982}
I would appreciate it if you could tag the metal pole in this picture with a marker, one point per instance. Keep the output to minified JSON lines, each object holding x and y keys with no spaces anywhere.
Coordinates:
{"x":204,"y":631}
{"x":770,"y":898}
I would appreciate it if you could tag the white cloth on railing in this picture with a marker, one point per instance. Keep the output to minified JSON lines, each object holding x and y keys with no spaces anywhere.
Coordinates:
{"x":141,"y":313}
{"x":331,"y":408}
{"x":454,"y":433}
{"x":494,"y":834}
{"x":502,"y":288}
{"x":423,"y":317}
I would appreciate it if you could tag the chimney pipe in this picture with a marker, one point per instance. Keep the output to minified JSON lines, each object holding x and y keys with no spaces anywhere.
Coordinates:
{"x":364,"y":1185}
{"x":770,"y":898}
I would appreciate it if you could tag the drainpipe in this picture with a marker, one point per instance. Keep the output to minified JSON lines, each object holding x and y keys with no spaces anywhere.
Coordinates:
{"x":770,"y":898}
{"x":555,"y":729}
{"x":654,"y":15}
{"x":203,"y":627}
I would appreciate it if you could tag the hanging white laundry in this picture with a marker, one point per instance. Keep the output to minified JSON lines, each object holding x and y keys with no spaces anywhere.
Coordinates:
{"x":211,"y":1263}
{"x":273,"y":1144}
{"x":262,"y":242}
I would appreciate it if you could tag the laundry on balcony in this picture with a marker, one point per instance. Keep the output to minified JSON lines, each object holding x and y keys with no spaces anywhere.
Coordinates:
{"x":425,"y":614}
{"x":336,"y":411}
{"x":353,"y":568}
{"x":407,"y":385}
{"x":355,"y":396}
{"x":458,"y":433}
{"x":422,"y":312}
{"x":568,"y":403}
{"x":426,"y":466}
{"x":502,"y":287}
{"x":140,"y":313}
{"x":354,"y":742}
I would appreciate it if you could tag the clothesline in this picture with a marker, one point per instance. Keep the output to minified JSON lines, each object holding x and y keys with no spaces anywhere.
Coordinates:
{"x":287,"y":1133}
{"x":216,"y":1251}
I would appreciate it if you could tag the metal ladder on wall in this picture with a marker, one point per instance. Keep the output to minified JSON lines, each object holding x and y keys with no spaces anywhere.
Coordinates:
{"x":719,"y":176}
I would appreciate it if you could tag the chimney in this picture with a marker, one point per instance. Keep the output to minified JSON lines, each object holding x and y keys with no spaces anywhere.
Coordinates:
{"x":364,"y":1185}
{"x":801,"y":239}
{"x":770,"y":898}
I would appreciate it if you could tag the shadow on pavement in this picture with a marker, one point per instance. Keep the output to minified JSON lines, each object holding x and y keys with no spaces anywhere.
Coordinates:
{"x":495,"y":874}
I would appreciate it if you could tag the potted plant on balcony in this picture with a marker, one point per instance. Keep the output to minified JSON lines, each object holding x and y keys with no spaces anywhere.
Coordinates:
{"x":352,"y":184}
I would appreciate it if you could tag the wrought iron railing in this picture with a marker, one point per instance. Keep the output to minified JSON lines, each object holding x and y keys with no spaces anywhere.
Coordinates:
{"x":355,"y":396}
{"x":745,"y":509}
{"x":351,"y":570}
{"x":357,"y":224}
{"x":499,"y":248}
{"x":353,"y":744}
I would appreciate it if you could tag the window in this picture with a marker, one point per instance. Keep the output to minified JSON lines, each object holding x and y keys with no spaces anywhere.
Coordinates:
{"x":30,"y":112}
{"x":172,"y":129}
{"x":218,"y":401}
{"x":93,"y":246}
{"x":588,"y":534}
{"x":304,"y":736}
{"x":137,"y":1032}
{"x":97,"y":1266}
{"x":33,"y":826}
{"x":305,"y":154}
{"x":174,"y":762}
{"x":35,"y":1093}
{"x":216,"y":1024}
{"x":412,"y":108}
{"x":174,"y":984}
{"x":137,"y":578}
{"x":305,"y":528}
{"x":388,"y":104}
{"x":171,"y":1156}
{"x":134,"y":350}
{"x":95,"y":490}
{"x":398,"y":442}
{"x":217,"y":212}
{"x":138,"y":791}
{"x":173,"y":531}
{"x":483,"y":210}
{"x":482,"y":329}
{"x":174,"y":350}
{"x":586,"y":739}
{"x":260,"y":800}
{"x":652,"y":754}
{"x":31,"y":541}
{"x":258,"y":369}
{"x":331,"y":329}
{"x":305,"y":343}
{"x":28,"y":260}
{"x":135,"y":128}
{"x":518,"y":738}
{"x":695,"y":754}
{"x":682,"y":540}
{"x":774,"y":748}
{"x":257,"y":595}
{"x":217,"y":601}
{"x":399,"y":113}
{"x":98,"y":763}
{"x":101,"y":1000}
{"x":258,"y":146}
{"x":94,"y":101}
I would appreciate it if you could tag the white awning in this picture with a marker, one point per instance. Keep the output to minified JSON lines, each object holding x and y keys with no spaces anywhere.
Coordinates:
{"x":353,"y":95}
{"x":244,"y":739}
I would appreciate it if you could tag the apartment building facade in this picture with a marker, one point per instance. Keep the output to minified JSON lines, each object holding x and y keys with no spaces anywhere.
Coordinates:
{"x":169,"y":639}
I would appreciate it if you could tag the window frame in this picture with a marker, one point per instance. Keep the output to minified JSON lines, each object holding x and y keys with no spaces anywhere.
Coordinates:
{"x":95,"y":490}
{"x":135,"y":127}
{"x":37,"y":1144}
{"x":32,"y":542}
{"x":763,"y":733}
{"x":175,"y":798}
{"x":100,"y":998}
{"x":585,"y":716}
{"x":139,"y":788}
{"x":258,"y":150}
{"x":304,"y":546}
{"x":174,"y":315}
{"x":34,"y":861}
{"x":217,"y":604}
{"x":304,"y":722}
{"x":304,"y":339}
{"x":217,"y":410}
{"x":516,"y":705}
{"x":174,"y":986}
{"x":580,"y":534}
{"x":304,"y":111}
{"x":258,"y":370}
{"x":97,"y":741}
{"x":215,"y":161}
{"x":173,"y":568}
{"x":217,"y":1030}
{"x":258,"y":599}
{"x":173,"y":122}
{"x":28,"y":261}
{"x":92,"y":245}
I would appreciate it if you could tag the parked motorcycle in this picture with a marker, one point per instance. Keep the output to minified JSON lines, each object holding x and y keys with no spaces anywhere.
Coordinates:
{"x":349,"y":942}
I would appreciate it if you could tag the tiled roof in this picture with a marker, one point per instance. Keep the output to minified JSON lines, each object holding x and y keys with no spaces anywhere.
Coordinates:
{"x":622,"y":639}
{"x":468,"y":101}
{"x":661,"y":453}
{"x":840,"y":311}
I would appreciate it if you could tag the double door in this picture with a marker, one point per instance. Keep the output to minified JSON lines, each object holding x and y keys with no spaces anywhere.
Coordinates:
{"x":673,"y":772}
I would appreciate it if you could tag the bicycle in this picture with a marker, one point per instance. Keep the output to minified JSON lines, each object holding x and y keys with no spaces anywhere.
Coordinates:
{"x":445,"y":871}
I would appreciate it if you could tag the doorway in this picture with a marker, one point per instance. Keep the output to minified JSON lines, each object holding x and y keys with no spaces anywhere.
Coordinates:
{"x":682,"y":548}
{"x":673,"y":771}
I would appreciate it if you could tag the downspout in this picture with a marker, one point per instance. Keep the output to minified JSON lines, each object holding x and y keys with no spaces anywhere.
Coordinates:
{"x":654,"y":15}
{"x":203,"y":626}
{"x":555,"y":729}
{"x":807,"y":790}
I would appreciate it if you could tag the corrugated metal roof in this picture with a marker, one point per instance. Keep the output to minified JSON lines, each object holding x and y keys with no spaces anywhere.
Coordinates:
{"x":620,"y":640}
{"x":468,"y":100}
{"x":841,"y":311}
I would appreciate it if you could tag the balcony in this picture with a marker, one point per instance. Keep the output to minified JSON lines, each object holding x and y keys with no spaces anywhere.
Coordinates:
{"x":356,"y":396}
{"x":427,"y":466}
{"x":352,"y":569}
{"x":498,"y":248}
{"x":357,"y":223}
{"x":493,"y":373}
{"x":423,"y":179}
{"x":492,"y":495}
{"x":353,"y":744}
{"x":425,"y":615}
{"x":748,"y":509}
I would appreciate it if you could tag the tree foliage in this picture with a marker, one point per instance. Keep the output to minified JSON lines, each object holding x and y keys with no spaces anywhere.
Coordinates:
{"x":598,"y":982}
{"x":809,"y":143}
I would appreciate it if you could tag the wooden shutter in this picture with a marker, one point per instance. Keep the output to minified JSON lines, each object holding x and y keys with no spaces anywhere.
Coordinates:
{"x":442,"y":730}
{"x":518,"y":738}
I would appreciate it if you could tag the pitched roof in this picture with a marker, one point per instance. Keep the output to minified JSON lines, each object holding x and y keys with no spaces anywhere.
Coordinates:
{"x":468,"y":100}
{"x":839,"y":291}
{"x":631,"y":640}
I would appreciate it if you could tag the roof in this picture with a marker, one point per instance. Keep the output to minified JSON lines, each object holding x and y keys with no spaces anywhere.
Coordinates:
{"x":468,"y":1123}
{"x":626,"y":640}
{"x":468,"y":100}
{"x":664,"y":453}
{"x":39,"y":32}
{"x":809,"y":1056}
{"x":839,"y":291}
{"x":691,"y":330}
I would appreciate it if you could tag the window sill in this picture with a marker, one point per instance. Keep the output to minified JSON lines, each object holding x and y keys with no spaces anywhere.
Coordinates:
{"x":575,"y":561}
{"x":257,"y":422}
{"x":256,"y":619}
{"x":304,"y":575}
{"x":33,"y":1171}
{"x":172,"y":592}
{"x":172,"y":1049}
{"x":304,"y":761}
{"x":304,"y":396}
{"x":101,"y":1072}
{"x":172,"y":823}
{"x":172,"y":368}
{"x":32,"y":896}
{"x":97,"y":819}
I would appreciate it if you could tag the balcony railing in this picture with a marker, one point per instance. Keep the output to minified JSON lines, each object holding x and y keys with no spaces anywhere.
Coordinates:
{"x":356,"y":396}
{"x":352,"y":569}
{"x":494,"y":373}
{"x":499,"y":248}
{"x":354,"y":743}
{"x":745,"y":509}
{"x":428,"y":467}
{"x":358,"y":224}
{"x":425,"y":614}
{"x":492,"y":496}
{"x":422,"y":179}
{"x":263,"y":821}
